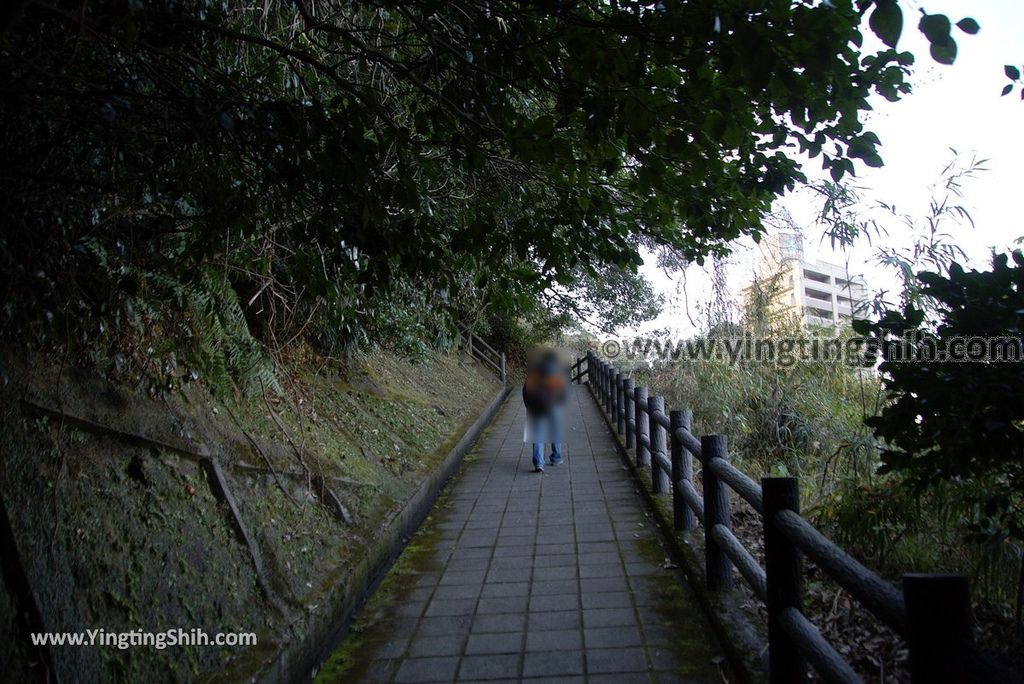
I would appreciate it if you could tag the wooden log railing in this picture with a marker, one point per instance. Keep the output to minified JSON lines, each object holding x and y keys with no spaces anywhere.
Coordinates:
{"x":480,"y":350}
{"x":932,"y":612}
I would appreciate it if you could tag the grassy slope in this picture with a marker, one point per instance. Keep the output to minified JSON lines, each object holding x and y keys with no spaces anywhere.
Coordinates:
{"x":126,"y":534}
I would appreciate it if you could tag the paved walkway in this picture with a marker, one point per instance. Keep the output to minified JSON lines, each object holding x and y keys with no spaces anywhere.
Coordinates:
{"x":553,"y":577}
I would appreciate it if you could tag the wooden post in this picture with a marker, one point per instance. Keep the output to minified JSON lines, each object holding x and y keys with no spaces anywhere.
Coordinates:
{"x":718,"y":569}
{"x":659,"y":478}
{"x":620,"y":404}
{"x":627,"y":391}
{"x":642,"y":426}
{"x":604,"y":386}
{"x":609,"y":393}
{"x":502,"y":368}
{"x":939,"y":630}
{"x":782,"y":568}
{"x":682,"y":469}
{"x":612,"y":396}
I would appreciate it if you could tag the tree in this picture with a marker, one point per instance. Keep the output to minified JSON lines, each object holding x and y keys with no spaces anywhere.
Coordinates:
{"x":327,"y":157}
{"x":951,"y":421}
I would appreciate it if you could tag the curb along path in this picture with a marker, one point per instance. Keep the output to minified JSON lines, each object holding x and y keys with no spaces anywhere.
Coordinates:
{"x":538,"y":577}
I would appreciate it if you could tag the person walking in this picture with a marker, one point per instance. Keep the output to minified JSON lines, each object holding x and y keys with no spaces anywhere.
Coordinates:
{"x":544,"y":393}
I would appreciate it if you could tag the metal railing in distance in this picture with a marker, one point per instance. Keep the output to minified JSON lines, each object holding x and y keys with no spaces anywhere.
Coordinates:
{"x":932,"y":612}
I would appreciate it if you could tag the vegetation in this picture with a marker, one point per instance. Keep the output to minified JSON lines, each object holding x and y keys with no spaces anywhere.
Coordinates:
{"x":916,"y":468}
{"x":365,"y":172}
{"x":120,"y":529}
{"x":199,"y":191}
{"x":950,"y":426}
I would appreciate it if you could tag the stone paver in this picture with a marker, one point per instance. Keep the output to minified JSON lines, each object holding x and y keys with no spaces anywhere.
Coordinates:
{"x":551,"y":577}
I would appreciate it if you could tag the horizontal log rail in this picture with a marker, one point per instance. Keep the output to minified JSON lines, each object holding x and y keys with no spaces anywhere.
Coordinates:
{"x":936,"y":628}
{"x":576,"y":372}
{"x":480,"y":350}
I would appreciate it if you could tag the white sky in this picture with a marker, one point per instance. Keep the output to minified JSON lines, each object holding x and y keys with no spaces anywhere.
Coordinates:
{"x":956,"y":106}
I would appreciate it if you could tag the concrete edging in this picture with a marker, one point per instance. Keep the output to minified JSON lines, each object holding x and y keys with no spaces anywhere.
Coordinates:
{"x":745,"y":650}
{"x":299,"y":660}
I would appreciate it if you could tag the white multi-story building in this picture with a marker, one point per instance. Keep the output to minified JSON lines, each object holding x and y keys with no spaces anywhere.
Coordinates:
{"x":818,"y":293}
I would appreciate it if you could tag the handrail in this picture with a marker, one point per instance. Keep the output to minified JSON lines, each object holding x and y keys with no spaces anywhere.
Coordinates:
{"x":741,"y":558}
{"x":477,"y":348}
{"x":488,"y":361}
{"x":479,"y":341}
{"x":826,"y":660}
{"x":740,"y":483}
{"x":665,"y":444}
{"x":877,"y":595}
{"x":691,"y":443}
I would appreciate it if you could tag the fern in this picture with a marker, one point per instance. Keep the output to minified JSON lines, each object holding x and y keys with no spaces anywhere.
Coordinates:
{"x":225,"y":351}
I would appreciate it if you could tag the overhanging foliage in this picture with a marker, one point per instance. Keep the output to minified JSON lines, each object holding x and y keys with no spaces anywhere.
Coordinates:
{"x":323,"y":154}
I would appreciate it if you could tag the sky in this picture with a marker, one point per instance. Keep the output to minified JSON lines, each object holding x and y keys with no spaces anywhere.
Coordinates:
{"x":952,"y":107}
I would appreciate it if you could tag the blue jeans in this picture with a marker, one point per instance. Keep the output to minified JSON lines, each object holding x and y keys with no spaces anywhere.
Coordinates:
{"x":544,"y":429}
{"x":538,"y":454}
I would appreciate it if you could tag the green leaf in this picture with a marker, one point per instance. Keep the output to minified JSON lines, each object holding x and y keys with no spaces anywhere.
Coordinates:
{"x":944,"y":53}
{"x":1007,"y":88}
{"x":935,"y":27}
{"x":887,"y":22}
{"x":874,"y":160}
{"x":665,"y":77}
{"x":968,"y":25}
{"x":1012,"y":72}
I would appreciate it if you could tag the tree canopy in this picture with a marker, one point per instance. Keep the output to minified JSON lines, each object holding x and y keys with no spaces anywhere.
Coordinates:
{"x":950,"y":420}
{"x":325,"y":157}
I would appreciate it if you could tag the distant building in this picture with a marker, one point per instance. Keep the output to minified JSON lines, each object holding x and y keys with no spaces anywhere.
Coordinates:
{"x":818,"y":293}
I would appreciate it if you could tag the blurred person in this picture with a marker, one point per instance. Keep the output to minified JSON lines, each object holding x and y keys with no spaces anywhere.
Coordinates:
{"x":544,"y":392}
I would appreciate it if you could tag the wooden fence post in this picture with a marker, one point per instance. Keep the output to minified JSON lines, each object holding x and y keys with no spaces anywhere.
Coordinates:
{"x":609,"y":388}
{"x":502,"y":368}
{"x":682,"y":469}
{"x":620,"y":404}
{"x":642,"y":424}
{"x":627,"y":391}
{"x":782,"y":568}
{"x":605,"y":372}
{"x":659,"y":479}
{"x":718,"y":569}
{"x":939,"y":631}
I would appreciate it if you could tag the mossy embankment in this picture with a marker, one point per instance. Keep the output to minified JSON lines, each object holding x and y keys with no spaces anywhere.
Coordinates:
{"x":229,"y":514}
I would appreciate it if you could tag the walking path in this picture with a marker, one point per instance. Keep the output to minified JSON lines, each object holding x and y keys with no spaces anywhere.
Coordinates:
{"x":537,"y":577}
